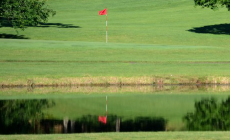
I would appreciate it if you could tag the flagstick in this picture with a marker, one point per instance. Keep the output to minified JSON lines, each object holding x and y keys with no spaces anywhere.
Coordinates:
{"x":106,"y":33}
{"x":106,"y":107}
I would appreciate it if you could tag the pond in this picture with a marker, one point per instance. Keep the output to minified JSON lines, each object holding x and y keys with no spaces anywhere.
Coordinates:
{"x":45,"y":110}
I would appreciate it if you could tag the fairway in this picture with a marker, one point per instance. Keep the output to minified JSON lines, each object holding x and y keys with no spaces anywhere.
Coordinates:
{"x":141,"y":22}
{"x":60,"y":62}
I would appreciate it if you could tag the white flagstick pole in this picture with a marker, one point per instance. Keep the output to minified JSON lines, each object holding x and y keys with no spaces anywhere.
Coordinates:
{"x":106,"y":107}
{"x":106,"y":31}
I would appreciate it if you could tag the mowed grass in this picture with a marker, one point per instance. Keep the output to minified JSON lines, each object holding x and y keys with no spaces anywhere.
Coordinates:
{"x":146,"y":39}
{"x":143,"y":22}
{"x":22,"y":60}
{"x":127,"y":136}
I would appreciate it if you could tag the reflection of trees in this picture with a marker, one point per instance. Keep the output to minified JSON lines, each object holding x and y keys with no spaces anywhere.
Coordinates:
{"x":90,"y":123}
{"x":144,"y":124}
{"x":21,"y":116}
{"x":209,"y":115}
{"x":26,"y":117}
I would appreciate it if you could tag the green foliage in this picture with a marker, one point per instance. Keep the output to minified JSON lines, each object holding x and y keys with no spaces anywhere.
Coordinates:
{"x":22,"y":13}
{"x":213,"y":4}
{"x":18,"y":113}
{"x":209,"y":115}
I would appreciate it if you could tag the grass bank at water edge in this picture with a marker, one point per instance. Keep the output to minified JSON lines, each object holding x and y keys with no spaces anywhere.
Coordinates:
{"x":127,"y":136}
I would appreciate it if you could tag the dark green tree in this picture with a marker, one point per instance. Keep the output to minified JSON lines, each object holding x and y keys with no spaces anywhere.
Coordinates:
{"x":22,"y":13}
{"x":213,"y":4}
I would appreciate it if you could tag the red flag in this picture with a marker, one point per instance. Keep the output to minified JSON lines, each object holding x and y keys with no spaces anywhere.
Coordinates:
{"x":102,"y":119}
{"x":103,"y":12}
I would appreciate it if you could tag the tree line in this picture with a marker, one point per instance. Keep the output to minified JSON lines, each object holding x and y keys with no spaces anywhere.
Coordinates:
{"x":23,"y":13}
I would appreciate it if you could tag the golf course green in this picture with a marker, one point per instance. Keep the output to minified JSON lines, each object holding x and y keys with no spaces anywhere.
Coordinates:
{"x":154,"y":43}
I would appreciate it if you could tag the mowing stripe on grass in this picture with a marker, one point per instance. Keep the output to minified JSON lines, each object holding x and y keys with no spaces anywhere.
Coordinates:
{"x":154,"y":62}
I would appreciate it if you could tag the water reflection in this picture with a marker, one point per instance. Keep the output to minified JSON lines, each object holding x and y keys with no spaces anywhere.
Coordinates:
{"x":90,"y":123}
{"x":79,"y":113}
{"x":21,"y":116}
{"x":86,"y":124}
{"x":27,"y":117}
{"x":116,"y":124}
{"x":144,"y":124}
{"x":209,"y":115}
{"x":34,"y":90}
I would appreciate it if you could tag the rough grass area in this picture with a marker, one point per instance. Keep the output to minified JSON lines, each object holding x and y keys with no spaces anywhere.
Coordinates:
{"x":118,"y":81}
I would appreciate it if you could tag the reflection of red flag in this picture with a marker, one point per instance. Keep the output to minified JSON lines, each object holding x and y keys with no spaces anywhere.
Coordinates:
{"x":102,"y":119}
{"x":103,"y":12}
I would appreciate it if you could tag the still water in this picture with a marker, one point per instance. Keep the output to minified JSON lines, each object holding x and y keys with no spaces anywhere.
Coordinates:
{"x":113,"y":109}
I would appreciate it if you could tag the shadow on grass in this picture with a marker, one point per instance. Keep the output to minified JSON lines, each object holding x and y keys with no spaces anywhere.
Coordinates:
{"x":218,"y":29}
{"x":12,"y":36}
{"x":57,"y":25}
{"x":5,"y":23}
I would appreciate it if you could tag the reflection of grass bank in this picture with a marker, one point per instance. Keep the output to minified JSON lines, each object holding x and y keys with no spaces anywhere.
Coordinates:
{"x":169,"y":102}
{"x":58,"y":91}
{"x":117,"y":81}
{"x":171,"y":107}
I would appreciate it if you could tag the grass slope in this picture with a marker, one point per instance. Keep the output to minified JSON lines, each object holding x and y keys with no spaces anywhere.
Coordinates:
{"x":46,"y":61}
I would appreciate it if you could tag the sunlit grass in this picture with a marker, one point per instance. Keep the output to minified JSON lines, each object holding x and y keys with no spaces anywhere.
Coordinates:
{"x":68,"y":62}
{"x":127,"y":136}
{"x":149,"y":39}
{"x":146,"y":22}
{"x":146,"y":39}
